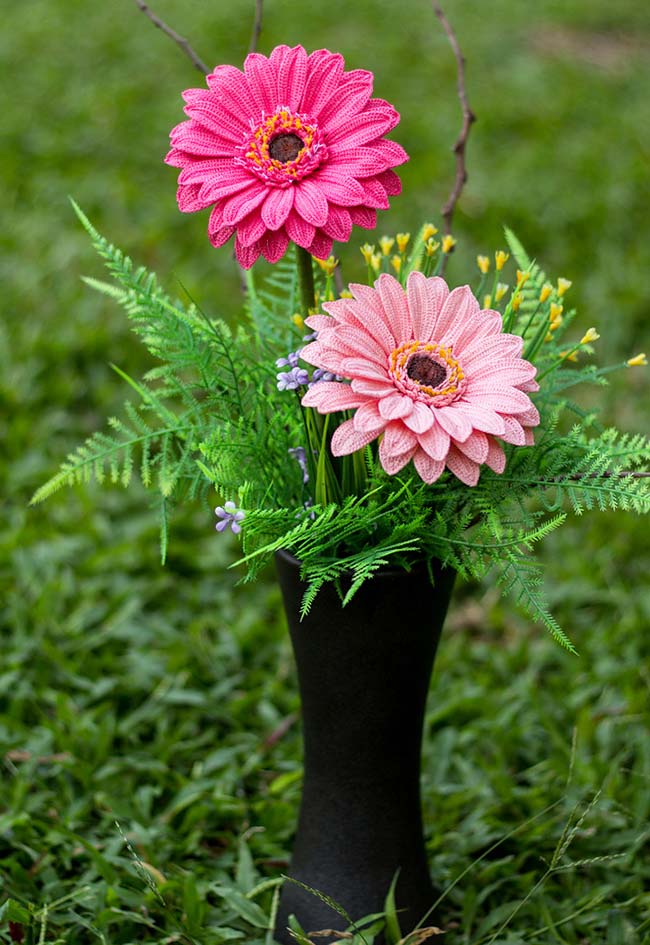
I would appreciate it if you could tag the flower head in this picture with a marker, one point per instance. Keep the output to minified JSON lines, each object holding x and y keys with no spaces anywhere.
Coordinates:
{"x":430,"y":373}
{"x":228,"y":514}
{"x":292,"y":148}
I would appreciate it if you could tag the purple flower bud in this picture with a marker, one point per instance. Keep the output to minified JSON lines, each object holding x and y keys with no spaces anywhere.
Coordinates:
{"x":293,"y":379}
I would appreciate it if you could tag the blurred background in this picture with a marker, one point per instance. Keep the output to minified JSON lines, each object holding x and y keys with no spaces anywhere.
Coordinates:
{"x":93,"y":630}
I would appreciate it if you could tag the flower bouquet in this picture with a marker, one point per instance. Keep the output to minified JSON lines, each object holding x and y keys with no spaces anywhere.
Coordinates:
{"x":402,"y":426}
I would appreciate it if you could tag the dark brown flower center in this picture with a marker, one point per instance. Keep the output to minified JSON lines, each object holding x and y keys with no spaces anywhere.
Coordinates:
{"x":286,"y":148}
{"x":425,"y":370}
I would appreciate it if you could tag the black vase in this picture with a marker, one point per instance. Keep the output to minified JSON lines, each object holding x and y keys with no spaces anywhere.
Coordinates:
{"x":363,"y":672}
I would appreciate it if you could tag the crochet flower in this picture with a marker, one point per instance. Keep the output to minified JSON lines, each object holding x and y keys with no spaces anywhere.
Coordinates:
{"x":431,"y":374}
{"x":290,"y":149}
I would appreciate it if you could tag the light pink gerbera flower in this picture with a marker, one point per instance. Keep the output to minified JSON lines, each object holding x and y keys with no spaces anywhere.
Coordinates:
{"x":290,"y":149}
{"x":430,"y":373}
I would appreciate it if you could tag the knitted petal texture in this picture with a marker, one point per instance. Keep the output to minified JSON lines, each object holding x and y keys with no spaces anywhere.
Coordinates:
{"x":292,"y":148}
{"x":429,"y":372}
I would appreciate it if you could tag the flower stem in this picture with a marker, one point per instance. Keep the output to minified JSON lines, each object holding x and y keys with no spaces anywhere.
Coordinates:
{"x":305,"y":280}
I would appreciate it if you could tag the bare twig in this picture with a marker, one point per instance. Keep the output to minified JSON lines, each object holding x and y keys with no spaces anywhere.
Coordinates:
{"x":257,"y":25}
{"x":468,"y":119}
{"x":179,"y":40}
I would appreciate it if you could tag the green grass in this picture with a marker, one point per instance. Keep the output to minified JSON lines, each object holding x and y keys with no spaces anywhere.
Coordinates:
{"x":137,"y":704}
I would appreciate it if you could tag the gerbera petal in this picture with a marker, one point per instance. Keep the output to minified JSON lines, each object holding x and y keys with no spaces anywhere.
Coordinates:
{"x":367,"y":419}
{"x":250,"y":229}
{"x":435,"y":441}
{"x":291,"y":70}
{"x":363,"y":217}
{"x":428,"y":469}
{"x":262,"y":82}
{"x":358,"y":367}
{"x":398,"y":439}
{"x":339,"y":224}
{"x":348,"y":440}
{"x":232,"y":90}
{"x":496,"y":458}
{"x":395,"y":406}
{"x":393,"y":462}
{"x":321,"y":246}
{"x":221,"y":236}
{"x":390,"y":182}
{"x":454,"y":422}
{"x":460,"y":307}
{"x":391,"y":152}
{"x":324,"y":74}
{"x":426,"y":298}
{"x":311,"y":203}
{"x":374,"y":195}
{"x":188,"y":198}
{"x":475,"y":447}
{"x":510,"y":400}
{"x":373,"y":387}
{"x":480,"y":417}
{"x":277,"y":207}
{"x":462,"y":467}
{"x":358,"y":162}
{"x":351,"y":97}
{"x":328,"y":396}
{"x":238,"y":206}
{"x":274,"y":245}
{"x":394,"y":303}
{"x":420,"y":419}
{"x":299,"y":230}
{"x":361,"y":129}
{"x":514,"y":432}
{"x":246,"y":255}
{"x":338,"y":186}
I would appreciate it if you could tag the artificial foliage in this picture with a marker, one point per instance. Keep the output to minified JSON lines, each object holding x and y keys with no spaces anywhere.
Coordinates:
{"x":214,"y":417}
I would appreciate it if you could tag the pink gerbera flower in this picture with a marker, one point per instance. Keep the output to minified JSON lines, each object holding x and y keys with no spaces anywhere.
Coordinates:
{"x":431,"y":374}
{"x":290,"y":149}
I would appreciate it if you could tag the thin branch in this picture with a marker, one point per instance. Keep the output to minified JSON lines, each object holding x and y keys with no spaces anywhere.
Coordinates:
{"x":468,"y":119}
{"x":179,"y":40}
{"x":257,"y":25}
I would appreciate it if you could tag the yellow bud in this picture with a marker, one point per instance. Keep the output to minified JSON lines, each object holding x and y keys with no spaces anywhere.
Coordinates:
{"x":483,"y":263}
{"x":366,"y":251}
{"x":431,"y":246}
{"x":639,"y":360}
{"x":328,"y":265}
{"x":500,"y":259}
{"x":522,"y":278}
{"x":375,"y":261}
{"x":346,"y":294}
{"x":487,"y":301}
{"x":386,"y":243}
{"x":501,"y":290}
{"x":590,"y":335}
{"x":448,"y":243}
{"x":563,"y":285}
{"x":547,"y":288}
{"x":516,"y":301}
{"x":569,"y":355}
{"x":428,"y":231}
{"x":555,"y":324}
{"x":555,"y":310}
{"x":402,"y":241}
{"x":298,"y":320}
{"x":396,"y":263}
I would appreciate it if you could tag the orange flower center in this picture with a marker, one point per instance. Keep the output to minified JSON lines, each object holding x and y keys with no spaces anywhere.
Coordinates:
{"x":426,"y":371}
{"x":283,"y":148}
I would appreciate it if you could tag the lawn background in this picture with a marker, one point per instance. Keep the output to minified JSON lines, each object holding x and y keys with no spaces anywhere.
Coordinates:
{"x":164,"y":699}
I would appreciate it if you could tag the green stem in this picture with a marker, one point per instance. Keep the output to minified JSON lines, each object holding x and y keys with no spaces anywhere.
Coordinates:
{"x":305,"y":280}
